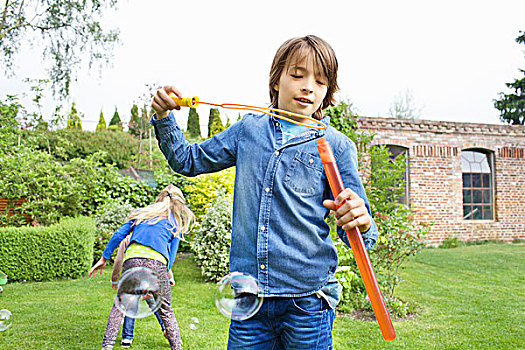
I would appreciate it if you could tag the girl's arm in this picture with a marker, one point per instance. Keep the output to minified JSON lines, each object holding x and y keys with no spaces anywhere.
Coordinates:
{"x":119,"y":260}
{"x":117,"y":237}
{"x":174,"y":246}
{"x":170,"y":276}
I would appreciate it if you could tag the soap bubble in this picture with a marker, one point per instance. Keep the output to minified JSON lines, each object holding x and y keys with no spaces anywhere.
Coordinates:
{"x":239,"y":296}
{"x":140,"y":292}
{"x":194,"y":323}
{"x":5,"y":319}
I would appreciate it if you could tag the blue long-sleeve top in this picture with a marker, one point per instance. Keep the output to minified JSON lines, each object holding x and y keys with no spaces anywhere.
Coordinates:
{"x":157,"y":236}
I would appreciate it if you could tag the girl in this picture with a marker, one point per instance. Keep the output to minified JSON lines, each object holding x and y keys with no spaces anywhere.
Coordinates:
{"x":156,"y":234}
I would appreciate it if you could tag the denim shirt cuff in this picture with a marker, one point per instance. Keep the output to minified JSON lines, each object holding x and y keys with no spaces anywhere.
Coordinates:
{"x":164,"y":125}
{"x":369,"y":237}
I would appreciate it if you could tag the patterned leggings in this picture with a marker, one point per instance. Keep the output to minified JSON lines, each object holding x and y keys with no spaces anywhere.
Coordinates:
{"x":165,"y":311}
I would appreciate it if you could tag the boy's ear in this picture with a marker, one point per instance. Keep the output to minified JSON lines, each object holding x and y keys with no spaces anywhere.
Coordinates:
{"x":276,"y":87}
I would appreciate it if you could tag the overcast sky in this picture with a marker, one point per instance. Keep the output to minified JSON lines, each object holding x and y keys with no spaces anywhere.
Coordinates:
{"x":453,"y":57}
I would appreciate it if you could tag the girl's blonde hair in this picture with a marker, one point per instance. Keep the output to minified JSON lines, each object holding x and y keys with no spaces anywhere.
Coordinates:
{"x":169,"y":200}
{"x":296,"y":49}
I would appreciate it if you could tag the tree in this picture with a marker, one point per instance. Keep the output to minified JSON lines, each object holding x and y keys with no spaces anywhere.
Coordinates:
{"x":134,"y":122}
{"x":115,"y":123}
{"x":403,"y":107}
{"x":73,"y":120}
{"x":214,"y":122}
{"x":9,"y":126}
{"x":194,"y":128}
{"x":67,"y":31}
{"x":512,"y":106}
{"x":101,"y":126}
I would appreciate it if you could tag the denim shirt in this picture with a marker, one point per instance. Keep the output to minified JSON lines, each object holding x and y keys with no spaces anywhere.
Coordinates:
{"x":280,"y":235}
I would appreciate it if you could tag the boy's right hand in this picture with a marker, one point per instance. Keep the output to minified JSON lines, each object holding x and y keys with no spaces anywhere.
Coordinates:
{"x":162,"y":103}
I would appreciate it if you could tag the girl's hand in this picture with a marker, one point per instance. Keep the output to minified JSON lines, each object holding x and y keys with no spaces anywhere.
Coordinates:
{"x":162,"y":103}
{"x":352,"y":212}
{"x":99,"y":266}
{"x":172,"y":282}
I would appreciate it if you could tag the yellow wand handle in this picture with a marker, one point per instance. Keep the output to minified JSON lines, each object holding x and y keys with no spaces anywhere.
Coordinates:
{"x":191,"y":102}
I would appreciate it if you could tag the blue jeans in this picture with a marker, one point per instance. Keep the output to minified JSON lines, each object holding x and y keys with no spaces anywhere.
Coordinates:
{"x":303,"y":323}
{"x":129,"y":322}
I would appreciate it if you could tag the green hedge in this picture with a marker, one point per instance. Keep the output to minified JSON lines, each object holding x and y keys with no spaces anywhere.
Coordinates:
{"x":63,"y":250}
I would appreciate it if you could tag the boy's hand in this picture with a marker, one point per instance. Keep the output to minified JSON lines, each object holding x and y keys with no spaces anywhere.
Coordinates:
{"x":352,"y":212}
{"x":162,"y":103}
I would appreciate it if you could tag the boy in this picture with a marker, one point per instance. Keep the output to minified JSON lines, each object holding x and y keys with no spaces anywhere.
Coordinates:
{"x":281,"y":198}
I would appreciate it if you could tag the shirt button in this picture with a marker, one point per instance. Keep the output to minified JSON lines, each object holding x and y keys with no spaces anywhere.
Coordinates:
{"x":311,"y":160}
{"x":276,"y":153}
{"x":262,"y":228}
{"x":267,"y":189}
{"x":262,"y":266}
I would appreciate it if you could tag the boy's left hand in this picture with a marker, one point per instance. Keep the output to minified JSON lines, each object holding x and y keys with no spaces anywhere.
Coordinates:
{"x":352,"y":212}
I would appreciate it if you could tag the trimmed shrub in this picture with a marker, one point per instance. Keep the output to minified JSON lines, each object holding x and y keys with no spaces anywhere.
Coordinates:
{"x":64,"y":250}
{"x":213,"y":239}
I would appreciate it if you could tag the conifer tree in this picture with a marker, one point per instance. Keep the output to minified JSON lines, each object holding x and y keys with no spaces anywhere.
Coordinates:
{"x":73,"y":120}
{"x":512,"y":105}
{"x":214,"y":122}
{"x":134,"y":122}
{"x":115,"y":124}
{"x":194,"y":128}
{"x":101,"y":126}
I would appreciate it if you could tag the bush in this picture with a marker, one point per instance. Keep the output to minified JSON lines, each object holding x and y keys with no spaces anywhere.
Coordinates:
{"x":213,"y":239}
{"x":64,"y":250}
{"x":120,"y":148}
{"x":52,"y":189}
{"x":204,"y":189}
{"x":452,"y":242}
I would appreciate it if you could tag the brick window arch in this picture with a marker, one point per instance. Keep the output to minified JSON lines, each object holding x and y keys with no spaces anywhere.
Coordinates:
{"x":395,"y":152}
{"x":478,"y":184}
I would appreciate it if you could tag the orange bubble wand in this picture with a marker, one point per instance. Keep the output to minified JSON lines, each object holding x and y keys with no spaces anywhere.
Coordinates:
{"x":336,"y":185}
{"x":358,"y":246}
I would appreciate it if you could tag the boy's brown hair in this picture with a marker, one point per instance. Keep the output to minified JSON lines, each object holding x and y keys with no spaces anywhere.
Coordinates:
{"x":324,"y":61}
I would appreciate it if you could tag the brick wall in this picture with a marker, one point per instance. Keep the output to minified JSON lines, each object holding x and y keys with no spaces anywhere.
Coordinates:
{"x":435,"y":177}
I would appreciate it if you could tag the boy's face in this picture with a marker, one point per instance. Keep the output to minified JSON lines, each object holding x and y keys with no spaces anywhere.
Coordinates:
{"x":301,"y":87}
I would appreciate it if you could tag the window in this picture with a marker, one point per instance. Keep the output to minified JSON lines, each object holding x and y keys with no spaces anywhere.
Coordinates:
{"x":478,"y":189}
{"x":397,"y":151}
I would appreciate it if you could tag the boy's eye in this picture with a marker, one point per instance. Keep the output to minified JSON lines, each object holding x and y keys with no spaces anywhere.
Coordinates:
{"x":321,"y":82}
{"x":296,"y":76}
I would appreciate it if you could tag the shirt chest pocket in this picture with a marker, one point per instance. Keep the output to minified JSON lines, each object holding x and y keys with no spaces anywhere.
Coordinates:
{"x":305,"y":174}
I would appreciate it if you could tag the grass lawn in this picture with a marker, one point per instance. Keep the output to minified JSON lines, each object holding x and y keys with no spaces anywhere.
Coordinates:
{"x":469,"y":298}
